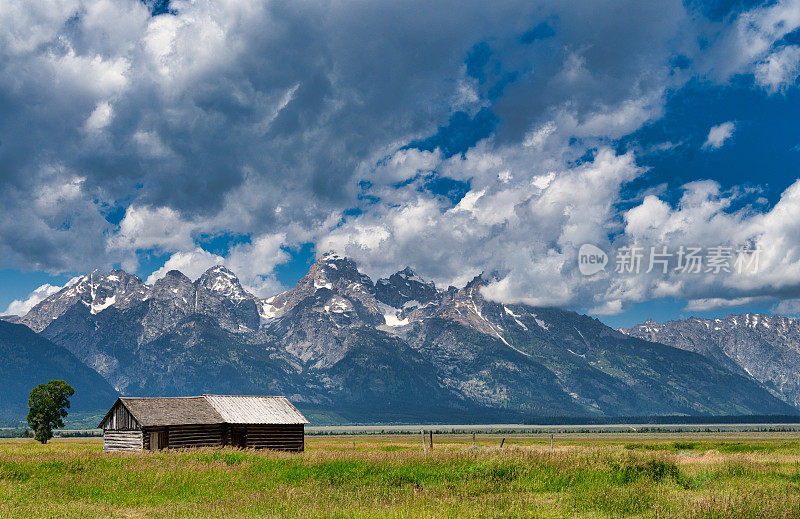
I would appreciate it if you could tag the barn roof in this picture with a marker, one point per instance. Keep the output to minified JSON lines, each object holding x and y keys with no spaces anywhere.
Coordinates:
{"x":180,"y":410}
{"x":211,"y":409}
{"x":256,"y":409}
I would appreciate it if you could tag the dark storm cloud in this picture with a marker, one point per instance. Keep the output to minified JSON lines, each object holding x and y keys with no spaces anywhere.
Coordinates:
{"x":250,"y":117}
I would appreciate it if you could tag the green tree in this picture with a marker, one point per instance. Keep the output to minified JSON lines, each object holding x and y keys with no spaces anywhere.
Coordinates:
{"x":48,"y":406}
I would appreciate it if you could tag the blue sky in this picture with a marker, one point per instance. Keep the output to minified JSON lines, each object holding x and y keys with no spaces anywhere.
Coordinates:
{"x":455,"y":142}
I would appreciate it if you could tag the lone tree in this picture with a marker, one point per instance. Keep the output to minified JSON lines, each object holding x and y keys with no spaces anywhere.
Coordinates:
{"x":48,"y":406}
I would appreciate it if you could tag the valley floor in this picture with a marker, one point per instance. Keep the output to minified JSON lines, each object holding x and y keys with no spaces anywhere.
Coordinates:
{"x":601,"y":475}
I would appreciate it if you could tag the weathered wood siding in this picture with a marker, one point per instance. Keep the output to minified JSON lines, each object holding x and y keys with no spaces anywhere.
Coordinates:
{"x":281,"y":437}
{"x":182,"y":436}
{"x":122,"y":440}
{"x":120,"y":419}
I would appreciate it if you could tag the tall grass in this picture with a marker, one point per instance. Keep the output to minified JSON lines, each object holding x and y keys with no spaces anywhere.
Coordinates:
{"x":394,"y":478}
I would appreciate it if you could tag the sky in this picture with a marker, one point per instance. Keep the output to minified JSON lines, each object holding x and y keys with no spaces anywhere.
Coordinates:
{"x":457,"y":138}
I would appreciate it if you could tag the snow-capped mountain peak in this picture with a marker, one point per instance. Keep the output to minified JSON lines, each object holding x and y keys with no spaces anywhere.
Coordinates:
{"x":223,"y":281}
{"x":405,"y":288}
{"x":331,"y":256}
{"x":97,"y":291}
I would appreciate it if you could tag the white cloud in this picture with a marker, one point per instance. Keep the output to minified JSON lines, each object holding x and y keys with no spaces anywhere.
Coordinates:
{"x":247,"y":118}
{"x":714,"y":303}
{"x":718,"y":135}
{"x":192,"y":263}
{"x":506,"y":225}
{"x":790,"y":307}
{"x":255,"y":262}
{"x":100,"y":117}
{"x":529,"y":231}
{"x":405,"y":164}
{"x":252,"y":262}
{"x":612,"y":307}
{"x":739,"y":46}
{"x":780,"y":69}
{"x":27,"y":25}
{"x":250,"y":119}
{"x":21,"y":306}
{"x":158,"y":228}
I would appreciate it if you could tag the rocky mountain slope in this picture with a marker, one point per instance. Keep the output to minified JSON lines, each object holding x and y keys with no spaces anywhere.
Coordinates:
{"x":764,"y":347}
{"x":395,"y":349}
{"x":29,"y":359}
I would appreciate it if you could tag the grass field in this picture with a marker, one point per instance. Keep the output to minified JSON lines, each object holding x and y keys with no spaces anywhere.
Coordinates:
{"x":602,"y":475}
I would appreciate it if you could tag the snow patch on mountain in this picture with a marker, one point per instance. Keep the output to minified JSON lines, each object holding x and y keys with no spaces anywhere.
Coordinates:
{"x":516,"y":318}
{"x":392,"y":315}
{"x":96,"y":308}
{"x":543,"y":325}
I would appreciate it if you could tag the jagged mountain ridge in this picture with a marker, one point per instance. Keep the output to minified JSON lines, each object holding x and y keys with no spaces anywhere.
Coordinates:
{"x":398,"y":347}
{"x":97,"y":291}
{"x":765,"y":347}
{"x":217,"y":292}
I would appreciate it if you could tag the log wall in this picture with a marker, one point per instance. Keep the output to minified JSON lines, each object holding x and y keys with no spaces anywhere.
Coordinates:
{"x":182,"y":436}
{"x":281,"y":437}
{"x":122,"y":441}
{"x":122,"y":432}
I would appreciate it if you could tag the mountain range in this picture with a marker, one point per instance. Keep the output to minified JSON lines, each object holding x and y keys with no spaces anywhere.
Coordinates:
{"x":398,"y":349}
{"x":763,"y":347}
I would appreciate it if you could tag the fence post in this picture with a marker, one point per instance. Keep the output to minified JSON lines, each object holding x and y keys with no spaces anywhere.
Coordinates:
{"x":424,"y":447}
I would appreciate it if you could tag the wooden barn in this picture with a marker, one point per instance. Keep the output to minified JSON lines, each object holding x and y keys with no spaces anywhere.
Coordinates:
{"x":152,"y":423}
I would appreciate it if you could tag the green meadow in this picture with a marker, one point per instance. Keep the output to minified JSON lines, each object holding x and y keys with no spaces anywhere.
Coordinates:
{"x":634,"y":475}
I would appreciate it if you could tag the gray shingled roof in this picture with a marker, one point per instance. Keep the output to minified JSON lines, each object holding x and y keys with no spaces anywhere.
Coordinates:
{"x":212,"y":409}
{"x":182,"y":410}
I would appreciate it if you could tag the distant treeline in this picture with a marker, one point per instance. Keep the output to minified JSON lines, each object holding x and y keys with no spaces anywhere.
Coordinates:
{"x":642,"y":424}
{"x":669,"y":419}
{"x":14,"y":432}
{"x":365,"y":430}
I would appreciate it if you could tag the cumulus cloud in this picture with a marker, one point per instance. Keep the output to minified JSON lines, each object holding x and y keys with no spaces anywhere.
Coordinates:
{"x":718,"y":135}
{"x":253,"y":262}
{"x":790,"y":307}
{"x":525,"y":227}
{"x":162,"y":228}
{"x":780,"y":69}
{"x":738,"y":46}
{"x":21,"y":306}
{"x":232,"y":117}
{"x":275,"y":121}
{"x":525,"y":233}
{"x":192,"y":263}
{"x":702,"y":305}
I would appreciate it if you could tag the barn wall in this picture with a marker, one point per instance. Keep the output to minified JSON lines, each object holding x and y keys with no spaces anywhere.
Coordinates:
{"x":122,"y":440}
{"x":120,"y":419}
{"x":180,"y":436}
{"x":282,"y":437}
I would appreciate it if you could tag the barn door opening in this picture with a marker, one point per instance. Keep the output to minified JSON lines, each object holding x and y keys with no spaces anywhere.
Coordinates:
{"x":157,"y":440}
{"x":239,"y":437}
